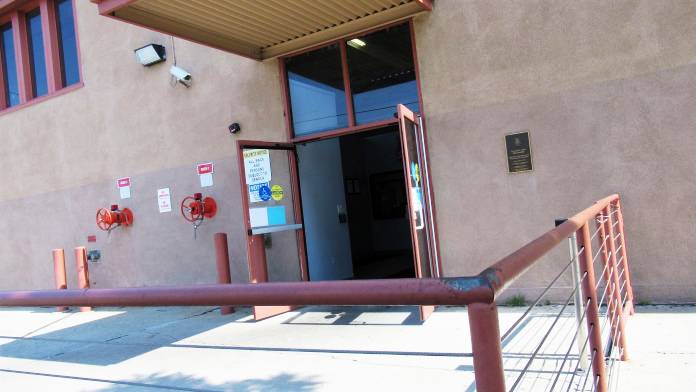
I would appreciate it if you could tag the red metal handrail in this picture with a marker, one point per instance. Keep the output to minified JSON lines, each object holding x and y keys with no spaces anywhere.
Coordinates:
{"x":477,"y":291}
{"x":501,"y":274}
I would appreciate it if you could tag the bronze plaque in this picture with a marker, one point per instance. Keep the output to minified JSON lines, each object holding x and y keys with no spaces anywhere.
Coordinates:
{"x":519,"y":152}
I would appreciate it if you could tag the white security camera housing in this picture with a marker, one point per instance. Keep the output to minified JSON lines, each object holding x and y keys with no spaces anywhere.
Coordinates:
{"x":181,"y":75}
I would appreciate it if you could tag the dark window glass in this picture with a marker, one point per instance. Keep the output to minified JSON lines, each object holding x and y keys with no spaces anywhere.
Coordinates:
{"x":382,"y":74}
{"x":9,"y":65}
{"x":68,"y":43}
{"x":317,"y":96}
{"x":36,"y":54}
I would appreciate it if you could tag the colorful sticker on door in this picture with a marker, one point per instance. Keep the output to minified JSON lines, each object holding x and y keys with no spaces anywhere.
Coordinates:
{"x":264,"y":193}
{"x":415,"y":173}
{"x":257,"y":166}
{"x":277,"y":192}
{"x":254,"y":192}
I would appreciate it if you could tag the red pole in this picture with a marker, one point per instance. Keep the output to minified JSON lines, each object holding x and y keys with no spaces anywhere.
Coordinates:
{"x":624,"y":257}
{"x":618,"y":308}
{"x":593,"y":324}
{"x":222,"y":259}
{"x":82,"y":272}
{"x":59,"y":273}
{"x":485,"y":343}
{"x":257,"y":254}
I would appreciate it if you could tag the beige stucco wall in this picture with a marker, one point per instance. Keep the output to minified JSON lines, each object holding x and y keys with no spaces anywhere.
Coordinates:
{"x":62,"y":156}
{"x":607,"y":90}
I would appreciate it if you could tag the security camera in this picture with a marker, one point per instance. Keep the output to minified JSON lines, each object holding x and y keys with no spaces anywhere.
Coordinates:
{"x":234,"y":128}
{"x":181,"y":75}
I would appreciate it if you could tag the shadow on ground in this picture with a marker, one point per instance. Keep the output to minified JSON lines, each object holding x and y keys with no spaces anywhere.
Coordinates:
{"x":115,"y":338}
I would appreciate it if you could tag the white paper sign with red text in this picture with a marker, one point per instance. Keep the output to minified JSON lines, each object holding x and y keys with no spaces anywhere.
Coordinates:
{"x":124,"y":187}
{"x":205,"y":173}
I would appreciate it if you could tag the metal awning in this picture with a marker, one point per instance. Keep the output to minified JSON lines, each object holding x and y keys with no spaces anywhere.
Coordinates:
{"x":262,"y":29}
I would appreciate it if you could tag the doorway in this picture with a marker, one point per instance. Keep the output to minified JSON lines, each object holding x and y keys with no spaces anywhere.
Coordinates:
{"x":355,"y":207}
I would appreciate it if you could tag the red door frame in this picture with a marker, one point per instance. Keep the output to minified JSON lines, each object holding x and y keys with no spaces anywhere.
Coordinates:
{"x":426,"y":217}
{"x":351,"y":129}
{"x":256,"y":252}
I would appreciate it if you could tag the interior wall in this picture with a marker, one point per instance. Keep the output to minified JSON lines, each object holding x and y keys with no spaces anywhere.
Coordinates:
{"x":364,"y":156}
{"x":321,"y":181}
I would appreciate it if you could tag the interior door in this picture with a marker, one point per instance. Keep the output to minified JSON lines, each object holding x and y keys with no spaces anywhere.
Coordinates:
{"x":419,"y":196}
{"x":273,"y":216}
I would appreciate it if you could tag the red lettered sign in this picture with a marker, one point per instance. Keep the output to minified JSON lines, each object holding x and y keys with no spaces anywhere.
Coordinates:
{"x":123,"y":182}
{"x":205,"y":168}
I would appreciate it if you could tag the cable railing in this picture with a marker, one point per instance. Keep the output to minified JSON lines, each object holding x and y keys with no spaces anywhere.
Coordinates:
{"x":579,"y":343}
{"x":594,"y":338}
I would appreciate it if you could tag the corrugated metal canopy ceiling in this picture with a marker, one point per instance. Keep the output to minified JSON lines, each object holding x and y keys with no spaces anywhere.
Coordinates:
{"x":262,"y":29}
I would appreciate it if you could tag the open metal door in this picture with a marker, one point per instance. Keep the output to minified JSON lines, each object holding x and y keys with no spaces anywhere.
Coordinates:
{"x":273,"y":216}
{"x":419,"y":196}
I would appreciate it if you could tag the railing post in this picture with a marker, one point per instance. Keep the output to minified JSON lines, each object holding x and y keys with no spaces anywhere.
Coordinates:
{"x":485,"y":343}
{"x":222,"y":260}
{"x":624,"y":257}
{"x":592,"y":315}
{"x":619,"y":323}
{"x":608,"y":276}
{"x":579,"y":302}
{"x":60,"y":278}
{"x":82,"y":272}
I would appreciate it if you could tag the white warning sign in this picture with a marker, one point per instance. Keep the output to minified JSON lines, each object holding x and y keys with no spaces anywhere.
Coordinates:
{"x":257,"y":166}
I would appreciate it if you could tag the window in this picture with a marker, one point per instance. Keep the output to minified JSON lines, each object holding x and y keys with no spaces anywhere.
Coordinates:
{"x":36,"y":54}
{"x":382,"y":74}
{"x":38,"y":51}
{"x":70,"y":70}
{"x":317,"y":96}
{"x":379,"y":69}
{"x":9,"y":69}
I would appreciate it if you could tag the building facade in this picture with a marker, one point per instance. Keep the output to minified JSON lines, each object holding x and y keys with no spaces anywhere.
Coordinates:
{"x":606,"y":92}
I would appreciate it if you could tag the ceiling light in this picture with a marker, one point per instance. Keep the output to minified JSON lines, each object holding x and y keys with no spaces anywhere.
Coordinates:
{"x":357,"y":43}
{"x":151,"y":54}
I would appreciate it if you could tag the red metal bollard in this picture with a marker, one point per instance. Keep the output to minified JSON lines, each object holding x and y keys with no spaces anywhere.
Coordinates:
{"x":222,"y":259}
{"x":82,"y":272}
{"x":592,"y":312}
{"x":59,"y":273}
{"x":485,"y":343}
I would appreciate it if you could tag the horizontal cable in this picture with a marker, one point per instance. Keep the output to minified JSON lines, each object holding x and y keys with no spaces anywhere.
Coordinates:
{"x":546,"y":335}
{"x":536,"y":302}
{"x":602,"y":276}
{"x":595,"y":233}
{"x":608,"y":285}
{"x":570,"y":347}
{"x":590,"y":370}
{"x":594,"y":259}
{"x":584,"y":345}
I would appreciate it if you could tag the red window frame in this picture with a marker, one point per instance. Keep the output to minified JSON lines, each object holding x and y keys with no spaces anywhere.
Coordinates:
{"x":352,"y":127}
{"x":16,"y":15}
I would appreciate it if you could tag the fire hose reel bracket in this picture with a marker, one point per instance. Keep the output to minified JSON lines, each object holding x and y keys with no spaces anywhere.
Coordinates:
{"x":196,"y":209}
{"x":111,"y":218}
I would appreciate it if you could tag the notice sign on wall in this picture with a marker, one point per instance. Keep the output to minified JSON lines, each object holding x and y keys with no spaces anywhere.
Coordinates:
{"x":257,"y":166}
{"x":164,"y":200}
{"x":519,"y":152}
{"x":124,"y":185}
{"x":205,"y":173}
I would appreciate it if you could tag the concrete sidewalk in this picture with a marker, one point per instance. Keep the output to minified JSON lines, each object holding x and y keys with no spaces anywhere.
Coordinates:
{"x":314,"y":348}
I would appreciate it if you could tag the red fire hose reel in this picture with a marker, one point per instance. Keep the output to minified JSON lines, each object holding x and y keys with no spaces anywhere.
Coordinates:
{"x":196,"y":208}
{"x":109,"y":219}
